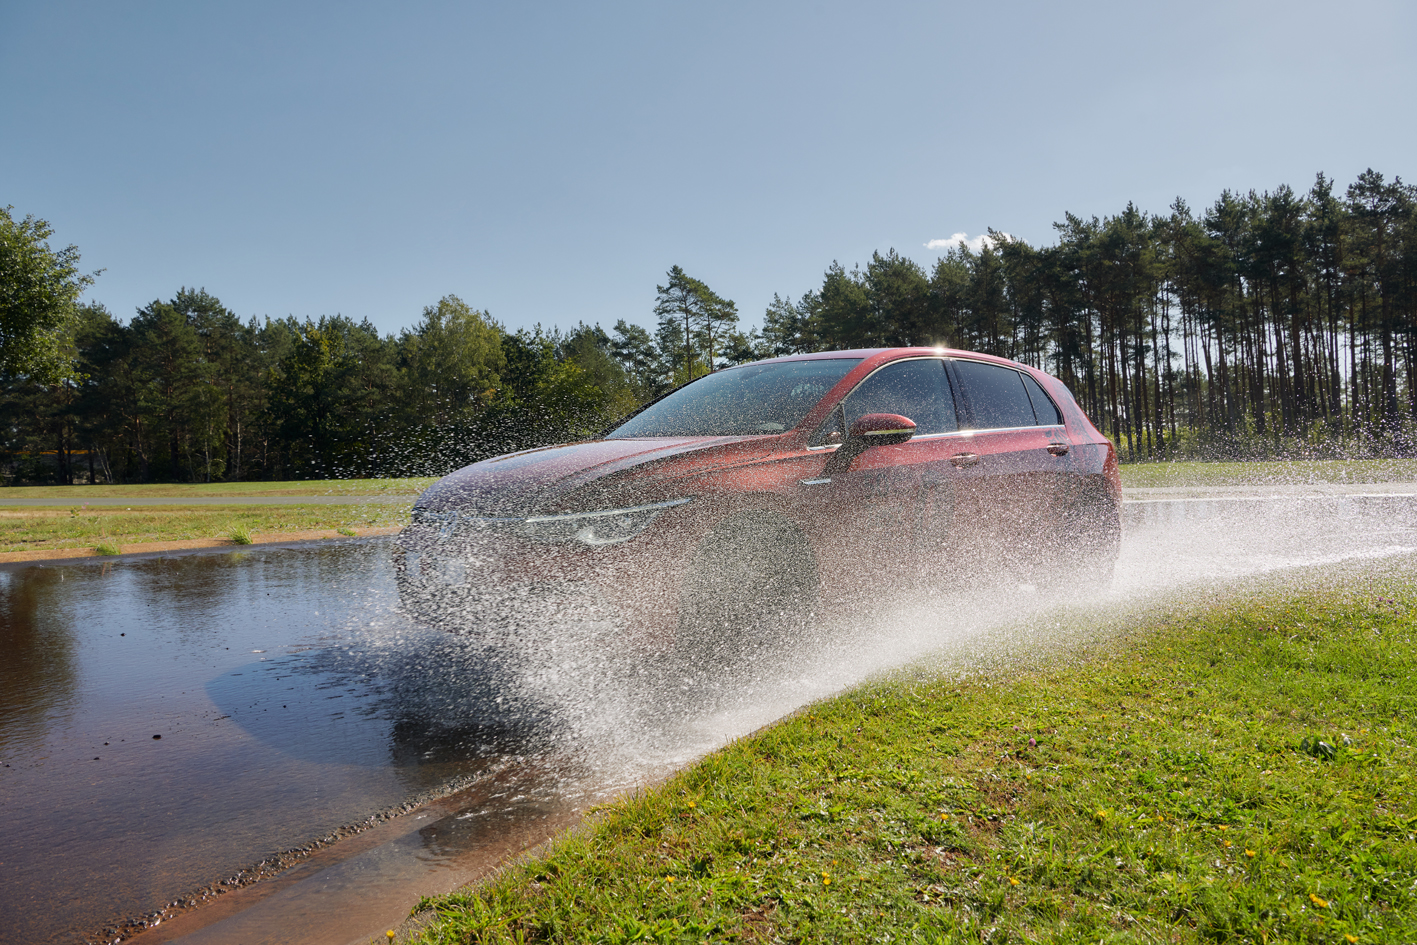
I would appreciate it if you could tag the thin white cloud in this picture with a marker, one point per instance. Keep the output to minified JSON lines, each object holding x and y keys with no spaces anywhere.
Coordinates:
{"x":962,"y":239}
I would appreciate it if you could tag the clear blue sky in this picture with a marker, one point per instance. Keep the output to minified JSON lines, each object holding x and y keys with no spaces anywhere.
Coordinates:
{"x":549,"y":161}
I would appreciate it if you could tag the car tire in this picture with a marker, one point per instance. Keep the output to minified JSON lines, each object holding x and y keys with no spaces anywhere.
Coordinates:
{"x":1093,"y":540}
{"x":751,"y":592}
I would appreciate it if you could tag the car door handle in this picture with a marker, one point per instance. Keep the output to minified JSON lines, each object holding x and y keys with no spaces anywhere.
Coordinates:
{"x":964,"y":459}
{"x":1059,"y":449}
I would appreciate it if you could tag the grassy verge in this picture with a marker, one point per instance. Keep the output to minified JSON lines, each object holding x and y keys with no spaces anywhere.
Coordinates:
{"x":1244,"y":773}
{"x":42,"y":528}
{"x":1300,"y":472}
{"x":216,"y":489}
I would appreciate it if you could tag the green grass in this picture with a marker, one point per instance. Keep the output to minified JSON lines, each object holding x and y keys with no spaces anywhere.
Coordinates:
{"x":1299,"y":472}
{"x":58,"y":528}
{"x":107,"y":548}
{"x":240,"y":535}
{"x":217,"y":489}
{"x":1165,"y":786}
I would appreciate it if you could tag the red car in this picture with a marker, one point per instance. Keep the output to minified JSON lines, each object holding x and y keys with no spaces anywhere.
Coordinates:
{"x":765,"y":496}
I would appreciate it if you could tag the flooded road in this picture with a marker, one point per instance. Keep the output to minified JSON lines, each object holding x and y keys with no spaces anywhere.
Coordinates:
{"x":167,"y":722}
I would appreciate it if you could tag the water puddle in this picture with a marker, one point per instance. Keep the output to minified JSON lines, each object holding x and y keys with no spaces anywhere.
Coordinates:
{"x":167,"y":723}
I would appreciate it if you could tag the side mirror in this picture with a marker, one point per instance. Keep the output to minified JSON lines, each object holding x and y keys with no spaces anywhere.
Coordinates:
{"x":874,"y":429}
{"x":881,"y":429}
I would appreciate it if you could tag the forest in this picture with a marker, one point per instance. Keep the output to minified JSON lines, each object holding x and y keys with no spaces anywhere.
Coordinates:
{"x":1274,"y":324}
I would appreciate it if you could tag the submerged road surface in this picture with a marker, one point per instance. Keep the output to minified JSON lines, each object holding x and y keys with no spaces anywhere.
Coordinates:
{"x":174,"y":727}
{"x":169,"y":723}
{"x":166,"y":723}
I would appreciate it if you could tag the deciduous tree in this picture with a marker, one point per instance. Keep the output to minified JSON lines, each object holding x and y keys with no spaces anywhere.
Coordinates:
{"x":39,"y":294}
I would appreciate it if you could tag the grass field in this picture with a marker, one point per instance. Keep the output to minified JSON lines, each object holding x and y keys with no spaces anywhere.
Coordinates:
{"x":58,"y":528}
{"x":410,"y":487}
{"x":1242,"y":772}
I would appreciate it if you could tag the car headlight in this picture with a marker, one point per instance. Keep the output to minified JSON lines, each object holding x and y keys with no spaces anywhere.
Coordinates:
{"x":606,"y":527}
{"x":452,"y":522}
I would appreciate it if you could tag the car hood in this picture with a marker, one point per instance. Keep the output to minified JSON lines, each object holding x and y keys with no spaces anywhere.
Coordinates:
{"x":534,"y":480}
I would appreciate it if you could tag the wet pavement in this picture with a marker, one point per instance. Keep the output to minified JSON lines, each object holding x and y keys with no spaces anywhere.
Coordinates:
{"x":168,"y":722}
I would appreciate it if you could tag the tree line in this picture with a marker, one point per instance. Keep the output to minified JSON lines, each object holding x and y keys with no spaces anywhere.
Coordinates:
{"x":186,"y":391}
{"x":1273,"y":323}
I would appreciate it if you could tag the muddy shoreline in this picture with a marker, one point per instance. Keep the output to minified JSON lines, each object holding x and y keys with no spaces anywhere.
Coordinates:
{"x":202,"y":906}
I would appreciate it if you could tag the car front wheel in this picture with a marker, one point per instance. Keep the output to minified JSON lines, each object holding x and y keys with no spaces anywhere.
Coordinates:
{"x":751,"y":590}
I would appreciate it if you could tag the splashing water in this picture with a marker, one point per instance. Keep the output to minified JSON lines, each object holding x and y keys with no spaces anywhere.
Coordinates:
{"x":631,"y":717}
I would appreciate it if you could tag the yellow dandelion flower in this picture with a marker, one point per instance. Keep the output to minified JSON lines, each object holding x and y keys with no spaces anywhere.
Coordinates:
{"x":1223,"y":827}
{"x":826,"y":880}
{"x":1013,"y":881}
{"x":1249,"y":852}
{"x":692,"y":804}
{"x":1228,"y":844}
{"x":1352,"y":939}
{"x":390,"y":934}
{"x":1321,"y":903}
{"x":669,"y":879}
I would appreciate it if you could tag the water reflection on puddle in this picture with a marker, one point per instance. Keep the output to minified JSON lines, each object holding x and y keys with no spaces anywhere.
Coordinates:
{"x":166,"y":722}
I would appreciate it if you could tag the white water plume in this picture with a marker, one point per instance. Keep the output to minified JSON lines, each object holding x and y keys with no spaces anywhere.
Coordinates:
{"x":627,"y":717}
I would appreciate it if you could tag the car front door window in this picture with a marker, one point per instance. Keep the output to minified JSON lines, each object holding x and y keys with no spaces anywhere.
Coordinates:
{"x":917,"y":389}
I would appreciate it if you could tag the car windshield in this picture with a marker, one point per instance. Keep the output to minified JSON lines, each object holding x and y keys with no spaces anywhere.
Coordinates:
{"x":741,"y":401}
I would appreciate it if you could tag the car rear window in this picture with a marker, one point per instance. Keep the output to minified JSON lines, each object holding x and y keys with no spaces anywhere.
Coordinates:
{"x":741,"y":401}
{"x":1043,"y":407}
{"x":996,"y":395}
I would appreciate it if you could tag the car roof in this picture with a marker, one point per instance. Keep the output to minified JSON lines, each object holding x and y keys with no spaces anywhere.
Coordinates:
{"x":890,"y":353}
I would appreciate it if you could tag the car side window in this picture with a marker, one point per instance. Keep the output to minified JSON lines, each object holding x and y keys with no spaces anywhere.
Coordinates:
{"x":918,"y":389}
{"x":1043,"y":407}
{"x":996,"y":395}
